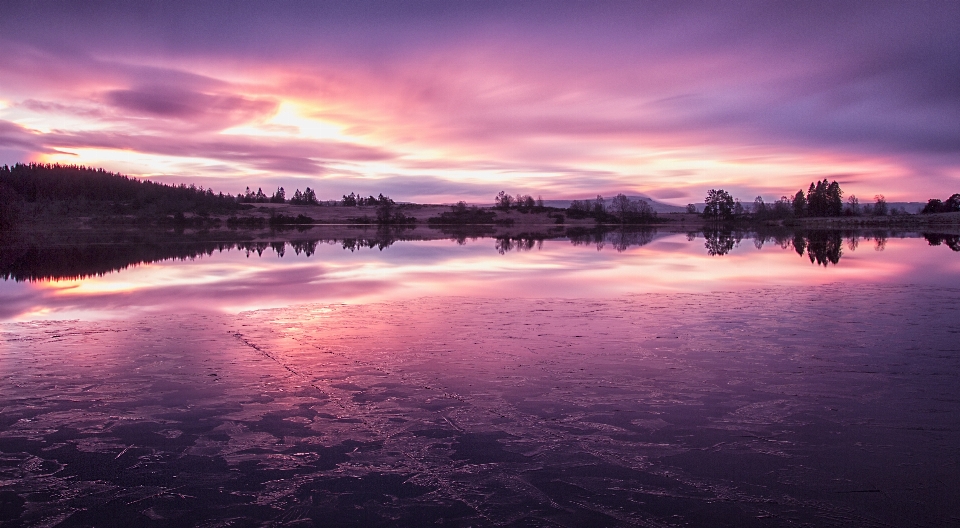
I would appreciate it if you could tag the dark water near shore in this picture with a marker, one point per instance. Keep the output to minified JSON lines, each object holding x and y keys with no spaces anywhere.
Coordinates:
{"x":511,"y":382}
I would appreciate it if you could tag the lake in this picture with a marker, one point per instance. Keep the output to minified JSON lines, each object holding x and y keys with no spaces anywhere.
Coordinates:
{"x":646,"y":378}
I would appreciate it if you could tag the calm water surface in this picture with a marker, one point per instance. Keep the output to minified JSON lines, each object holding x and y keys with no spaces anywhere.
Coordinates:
{"x":490,"y":383}
{"x":232,"y":279}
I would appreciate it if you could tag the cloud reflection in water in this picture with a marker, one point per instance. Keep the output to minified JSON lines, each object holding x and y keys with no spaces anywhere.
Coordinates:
{"x":235,"y":280}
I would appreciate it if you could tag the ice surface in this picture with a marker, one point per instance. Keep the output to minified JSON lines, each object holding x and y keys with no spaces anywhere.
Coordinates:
{"x":780,"y":406}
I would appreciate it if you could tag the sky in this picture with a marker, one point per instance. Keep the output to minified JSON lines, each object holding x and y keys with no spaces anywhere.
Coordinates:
{"x":440,"y":101}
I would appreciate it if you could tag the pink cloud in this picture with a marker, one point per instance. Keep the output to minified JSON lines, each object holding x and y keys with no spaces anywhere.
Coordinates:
{"x":576,"y":99}
{"x":301,"y":156}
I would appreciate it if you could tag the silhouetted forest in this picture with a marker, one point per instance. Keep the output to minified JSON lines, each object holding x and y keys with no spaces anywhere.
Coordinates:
{"x":950,"y":205}
{"x":521,"y":202}
{"x":354,"y":199}
{"x":823,"y":199}
{"x":307,"y":197}
{"x":35,"y":182}
{"x":45,"y":194}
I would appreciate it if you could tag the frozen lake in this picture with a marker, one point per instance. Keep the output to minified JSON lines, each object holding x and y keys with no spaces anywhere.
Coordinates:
{"x":490,"y":383}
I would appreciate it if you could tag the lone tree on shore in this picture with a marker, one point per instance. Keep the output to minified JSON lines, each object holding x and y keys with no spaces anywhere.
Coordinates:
{"x":621,"y":207}
{"x":719,"y":206}
{"x":880,"y":205}
{"x":853,"y":205}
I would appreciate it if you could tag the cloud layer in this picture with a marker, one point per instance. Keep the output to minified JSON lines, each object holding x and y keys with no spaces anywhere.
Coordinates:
{"x":429,"y":99}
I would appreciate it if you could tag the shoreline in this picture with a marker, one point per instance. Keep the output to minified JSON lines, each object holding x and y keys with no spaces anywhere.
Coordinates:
{"x":342,"y":220}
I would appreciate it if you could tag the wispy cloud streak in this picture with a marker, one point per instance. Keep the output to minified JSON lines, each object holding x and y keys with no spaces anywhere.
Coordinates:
{"x":565,"y":97}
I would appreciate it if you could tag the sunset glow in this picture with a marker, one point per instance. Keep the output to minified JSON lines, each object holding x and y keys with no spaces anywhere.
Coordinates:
{"x":444,"y":101}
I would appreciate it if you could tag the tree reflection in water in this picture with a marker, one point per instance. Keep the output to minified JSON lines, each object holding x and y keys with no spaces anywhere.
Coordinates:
{"x":824,"y":247}
{"x":519,"y":243}
{"x":619,"y":239}
{"x":79,"y":257}
{"x":721,"y":241}
{"x":951,"y":241}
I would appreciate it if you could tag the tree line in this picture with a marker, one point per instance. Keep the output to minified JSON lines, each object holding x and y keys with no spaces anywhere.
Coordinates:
{"x":935,"y":205}
{"x":34,"y":182}
{"x":41,"y":183}
{"x":307,"y":197}
{"x":822,"y":199}
{"x":388,"y":213}
{"x":37,"y":182}
{"x":356,"y":199}
{"x":521,"y":202}
{"x":621,"y":210}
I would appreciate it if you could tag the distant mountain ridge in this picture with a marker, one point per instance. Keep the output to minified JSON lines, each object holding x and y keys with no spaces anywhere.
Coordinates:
{"x":910,"y":207}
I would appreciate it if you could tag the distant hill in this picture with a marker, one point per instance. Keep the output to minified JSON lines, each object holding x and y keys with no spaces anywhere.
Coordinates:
{"x":659,"y":207}
{"x":910,"y":207}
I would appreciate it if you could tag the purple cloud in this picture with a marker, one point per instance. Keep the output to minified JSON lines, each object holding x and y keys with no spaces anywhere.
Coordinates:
{"x":215,"y":111}
{"x":296,"y":156}
{"x":501,"y":86}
